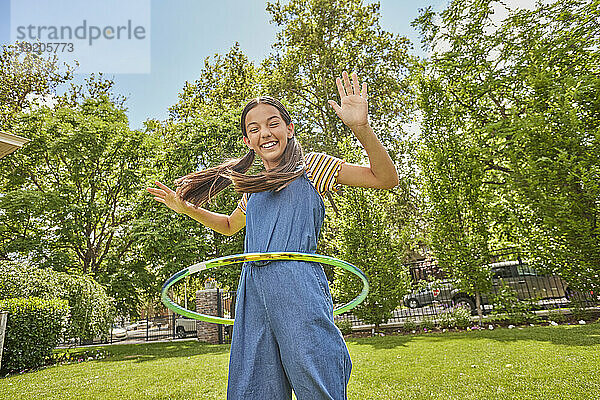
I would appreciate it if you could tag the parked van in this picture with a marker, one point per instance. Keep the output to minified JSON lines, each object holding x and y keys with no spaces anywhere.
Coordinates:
{"x":522,"y":278}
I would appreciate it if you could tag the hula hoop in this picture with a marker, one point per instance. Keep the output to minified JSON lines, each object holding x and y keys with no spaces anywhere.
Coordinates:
{"x":275,"y":256}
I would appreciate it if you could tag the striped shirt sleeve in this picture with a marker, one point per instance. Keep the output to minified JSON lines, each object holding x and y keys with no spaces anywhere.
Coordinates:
{"x":322,"y":170}
{"x":243,"y":203}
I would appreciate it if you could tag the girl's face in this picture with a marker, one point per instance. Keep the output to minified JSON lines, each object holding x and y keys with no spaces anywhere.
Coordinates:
{"x":267,"y":134}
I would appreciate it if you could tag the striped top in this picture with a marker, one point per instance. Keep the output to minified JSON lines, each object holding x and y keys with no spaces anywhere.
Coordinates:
{"x":322,"y":171}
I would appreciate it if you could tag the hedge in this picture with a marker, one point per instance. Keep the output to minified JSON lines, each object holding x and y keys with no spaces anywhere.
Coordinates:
{"x":33,"y":329}
{"x":91,"y":309}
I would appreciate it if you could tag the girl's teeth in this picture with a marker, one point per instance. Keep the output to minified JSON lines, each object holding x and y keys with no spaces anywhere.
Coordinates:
{"x":268,"y":145}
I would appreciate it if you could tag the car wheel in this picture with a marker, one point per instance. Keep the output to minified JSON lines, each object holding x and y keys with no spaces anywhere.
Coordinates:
{"x":464,"y":302}
{"x":180,"y":331}
{"x":412,"y":303}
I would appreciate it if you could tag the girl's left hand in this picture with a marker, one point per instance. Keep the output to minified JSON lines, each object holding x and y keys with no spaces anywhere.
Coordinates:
{"x":354,"y":107}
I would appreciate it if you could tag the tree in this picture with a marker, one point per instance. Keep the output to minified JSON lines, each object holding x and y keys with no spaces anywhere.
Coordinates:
{"x":68,"y":194}
{"x":170,"y":241}
{"x":457,"y":199}
{"x":317,"y":41}
{"x":202,"y":131}
{"x":224,"y":85}
{"x":525,"y":95}
{"x":25,"y":79}
{"x":366,"y":240}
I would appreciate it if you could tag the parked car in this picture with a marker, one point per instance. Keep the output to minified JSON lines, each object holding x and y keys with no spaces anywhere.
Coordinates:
{"x":141,"y":324}
{"x":184,"y":326}
{"x":118,"y":332}
{"x":522,"y":278}
{"x":433,"y":291}
{"x":527,"y":282}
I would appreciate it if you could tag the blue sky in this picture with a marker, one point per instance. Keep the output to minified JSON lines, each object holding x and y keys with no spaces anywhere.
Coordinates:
{"x":183,"y":33}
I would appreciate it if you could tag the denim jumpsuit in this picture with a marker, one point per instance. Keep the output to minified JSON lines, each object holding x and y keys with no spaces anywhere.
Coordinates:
{"x":284,"y":337}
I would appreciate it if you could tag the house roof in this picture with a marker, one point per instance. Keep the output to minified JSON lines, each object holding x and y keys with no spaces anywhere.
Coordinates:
{"x":10,"y":143}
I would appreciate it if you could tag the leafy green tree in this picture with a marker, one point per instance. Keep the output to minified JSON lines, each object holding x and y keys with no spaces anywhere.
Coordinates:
{"x":317,"y":41}
{"x":365,"y":240}
{"x":171,"y":241}
{"x":26,"y":79}
{"x":224,"y":85}
{"x":68,"y":194}
{"x":526,"y":96}
{"x":202,"y":131}
{"x":33,"y":330}
{"x":457,"y":199}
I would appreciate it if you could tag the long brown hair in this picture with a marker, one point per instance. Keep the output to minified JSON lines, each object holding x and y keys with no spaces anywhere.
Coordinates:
{"x":199,"y":187}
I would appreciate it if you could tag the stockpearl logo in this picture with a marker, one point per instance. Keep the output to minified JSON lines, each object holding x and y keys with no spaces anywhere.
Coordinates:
{"x":109,"y":36}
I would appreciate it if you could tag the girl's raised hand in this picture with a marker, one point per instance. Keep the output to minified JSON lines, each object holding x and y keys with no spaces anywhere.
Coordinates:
{"x":168,"y":197}
{"x":354,"y":107}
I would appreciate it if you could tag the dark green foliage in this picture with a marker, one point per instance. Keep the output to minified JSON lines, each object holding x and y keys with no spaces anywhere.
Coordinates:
{"x":426,"y":324}
{"x":458,"y":205}
{"x":409,"y":326}
{"x":78,"y":354}
{"x":318,"y":40}
{"x":557,"y":316}
{"x":33,"y":330}
{"x":90,"y":309}
{"x":461,"y":317}
{"x":67,"y":196}
{"x":344,"y":325}
{"x":170,"y":242}
{"x":508,"y":308}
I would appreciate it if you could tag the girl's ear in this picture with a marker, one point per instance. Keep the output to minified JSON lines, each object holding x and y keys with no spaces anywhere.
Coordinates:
{"x":290,"y":128}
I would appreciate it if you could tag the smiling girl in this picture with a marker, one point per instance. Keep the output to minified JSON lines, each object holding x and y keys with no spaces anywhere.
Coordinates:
{"x":284,"y":337}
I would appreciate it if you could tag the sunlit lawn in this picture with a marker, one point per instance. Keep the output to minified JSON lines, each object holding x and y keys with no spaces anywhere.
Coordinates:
{"x":560,"y":362}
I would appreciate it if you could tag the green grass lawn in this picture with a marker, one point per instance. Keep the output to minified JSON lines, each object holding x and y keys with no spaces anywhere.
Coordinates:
{"x":560,"y":362}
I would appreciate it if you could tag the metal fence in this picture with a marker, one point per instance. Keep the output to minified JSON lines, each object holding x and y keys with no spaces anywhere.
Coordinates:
{"x":167,"y":327}
{"x":433,"y":297}
{"x":513,"y":282}
{"x":225,"y":308}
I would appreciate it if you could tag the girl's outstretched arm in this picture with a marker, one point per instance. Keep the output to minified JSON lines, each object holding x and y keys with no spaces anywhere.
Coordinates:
{"x":225,"y":224}
{"x":353,"y":112}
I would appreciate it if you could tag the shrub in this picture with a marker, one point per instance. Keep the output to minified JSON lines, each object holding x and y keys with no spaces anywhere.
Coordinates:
{"x":344,"y":326}
{"x":90,"y":309}
{"x":445,"y":319}
{"x":509,"y":308}
{"x":427,"y":324}
{"x":33,"y":330}
{"x":69,"y":355}
{"x":461,"y":316}
{"x":410,"y":326}
{"x":579,"y":311}
{"x":556,"y":316}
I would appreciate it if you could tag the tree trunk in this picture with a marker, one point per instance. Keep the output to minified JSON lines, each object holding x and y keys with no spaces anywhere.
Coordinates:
{"x":478,"y":307}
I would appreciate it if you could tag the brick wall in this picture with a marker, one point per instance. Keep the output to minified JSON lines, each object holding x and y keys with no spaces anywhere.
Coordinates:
{"x":206,"y":303}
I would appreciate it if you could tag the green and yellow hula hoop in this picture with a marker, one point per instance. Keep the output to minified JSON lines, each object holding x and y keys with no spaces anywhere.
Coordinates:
{"x":275,"y":256}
